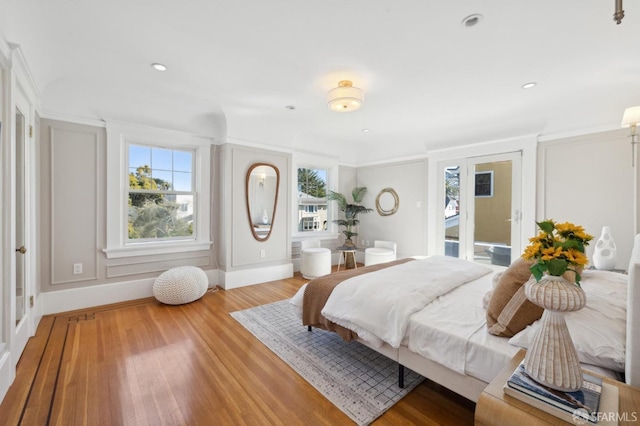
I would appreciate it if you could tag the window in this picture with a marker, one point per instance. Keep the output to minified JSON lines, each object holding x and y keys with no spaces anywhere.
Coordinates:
{"x":484,"y":184}
{"x":160,"y":192}
{"x":312,"y":200}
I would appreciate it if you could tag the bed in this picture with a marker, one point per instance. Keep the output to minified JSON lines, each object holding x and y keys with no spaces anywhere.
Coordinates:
{"x":443,"y":334}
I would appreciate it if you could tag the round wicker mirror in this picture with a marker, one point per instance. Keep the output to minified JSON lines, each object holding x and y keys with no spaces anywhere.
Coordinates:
{"x":387,"y":202}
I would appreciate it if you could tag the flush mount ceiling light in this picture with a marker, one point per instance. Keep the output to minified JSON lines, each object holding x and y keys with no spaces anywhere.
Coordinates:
{"x":529,"y":85}
{"x":159,"y":67}
{"x":345,"y":97}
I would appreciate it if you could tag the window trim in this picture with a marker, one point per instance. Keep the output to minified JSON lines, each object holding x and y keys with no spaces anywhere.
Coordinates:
{"x":119,"y":136}
{"x":308,"y":161}
{"x":312,"y":233}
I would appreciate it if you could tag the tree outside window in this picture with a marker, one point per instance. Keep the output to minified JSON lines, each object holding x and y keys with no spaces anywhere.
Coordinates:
{"x":160,"y":196}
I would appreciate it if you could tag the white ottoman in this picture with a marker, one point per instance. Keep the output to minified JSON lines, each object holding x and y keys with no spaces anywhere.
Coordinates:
{"x":373,"y":256}
{"x":315,"y":262}
{"x":183,"y":284}
{"x":381,"y":252}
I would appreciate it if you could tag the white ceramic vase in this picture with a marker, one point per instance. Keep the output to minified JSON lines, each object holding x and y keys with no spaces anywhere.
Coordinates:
{"x":604,"y":254}
{"x":265,"y":218}
{"x":552,"y":359}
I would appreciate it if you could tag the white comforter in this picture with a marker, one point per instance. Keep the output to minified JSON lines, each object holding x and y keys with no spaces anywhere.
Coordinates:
{"x":378,"y":305}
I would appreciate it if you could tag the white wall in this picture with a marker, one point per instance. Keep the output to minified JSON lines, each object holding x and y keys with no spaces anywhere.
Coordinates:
{"x":407,"y":227}
{"x":589,"y":180}
{"x":243,"y":259}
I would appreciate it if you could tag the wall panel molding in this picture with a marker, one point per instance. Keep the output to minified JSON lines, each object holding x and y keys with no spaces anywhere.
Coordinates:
{"x":74,"y":215}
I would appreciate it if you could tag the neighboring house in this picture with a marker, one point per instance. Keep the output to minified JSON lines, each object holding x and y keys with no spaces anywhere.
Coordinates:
{"x":312,"y":213}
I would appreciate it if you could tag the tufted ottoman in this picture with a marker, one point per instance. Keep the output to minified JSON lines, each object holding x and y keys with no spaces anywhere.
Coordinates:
{"x":180,"y":285}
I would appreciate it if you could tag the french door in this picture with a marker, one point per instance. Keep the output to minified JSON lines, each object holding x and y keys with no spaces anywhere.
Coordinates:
{"x":21,"y":289}
{"x":482,"y":207}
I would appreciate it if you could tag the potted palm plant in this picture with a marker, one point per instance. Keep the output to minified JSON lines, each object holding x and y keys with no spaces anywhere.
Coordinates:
{"x":351,"y":212}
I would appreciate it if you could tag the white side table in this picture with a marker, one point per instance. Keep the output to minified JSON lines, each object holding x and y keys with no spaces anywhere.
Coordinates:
{"x":345,"y":251}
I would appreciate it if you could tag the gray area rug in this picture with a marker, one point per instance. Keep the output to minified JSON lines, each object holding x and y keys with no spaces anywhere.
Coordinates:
{"x":356,"y":379}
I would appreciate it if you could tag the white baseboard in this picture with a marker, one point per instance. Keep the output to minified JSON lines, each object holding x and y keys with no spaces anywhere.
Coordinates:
{"x":7,"y":372}
{"x":245,"y":277}
{"x":53,"y":302}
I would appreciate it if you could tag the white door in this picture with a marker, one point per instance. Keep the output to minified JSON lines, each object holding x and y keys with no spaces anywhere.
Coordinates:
{"x":482,"y":207}
{"x":21,"y":288}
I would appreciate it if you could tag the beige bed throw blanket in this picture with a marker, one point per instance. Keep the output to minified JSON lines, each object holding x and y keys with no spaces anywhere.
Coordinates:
{"x":318,"y":291}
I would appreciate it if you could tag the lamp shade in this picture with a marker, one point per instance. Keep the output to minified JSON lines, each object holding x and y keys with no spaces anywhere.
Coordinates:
{"x":631,"y":116}
{"x":345,"y":97}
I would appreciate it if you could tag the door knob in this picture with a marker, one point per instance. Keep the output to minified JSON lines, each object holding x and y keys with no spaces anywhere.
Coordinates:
{"x":22,"y":250}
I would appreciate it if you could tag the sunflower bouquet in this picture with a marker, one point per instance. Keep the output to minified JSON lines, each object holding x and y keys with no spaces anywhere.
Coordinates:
{"x":558,"y":248}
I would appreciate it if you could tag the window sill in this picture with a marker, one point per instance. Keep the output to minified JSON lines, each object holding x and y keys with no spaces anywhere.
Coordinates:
{"x":150,"y":249}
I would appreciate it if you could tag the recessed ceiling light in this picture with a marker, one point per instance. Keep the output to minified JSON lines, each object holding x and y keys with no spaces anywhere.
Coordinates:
{"x":159,"y":67}
{"x":365,"y":130}
{"x":472,"y":20}
{"x":529,"y":85}
{"x":291,"y":107}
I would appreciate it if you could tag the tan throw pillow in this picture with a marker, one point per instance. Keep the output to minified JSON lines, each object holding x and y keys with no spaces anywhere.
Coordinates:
{"x":509,"y":310}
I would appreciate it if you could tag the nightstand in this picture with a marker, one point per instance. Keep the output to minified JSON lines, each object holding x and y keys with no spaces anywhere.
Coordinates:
{"x":494,"y":408}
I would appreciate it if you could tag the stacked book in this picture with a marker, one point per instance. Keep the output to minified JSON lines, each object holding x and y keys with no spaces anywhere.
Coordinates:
{"x":579,"y":407}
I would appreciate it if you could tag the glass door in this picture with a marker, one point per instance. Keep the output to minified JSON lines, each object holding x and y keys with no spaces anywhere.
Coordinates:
{"x":20,"y":293}
{"x":21,"y":285}
{"x":495,"y":184}
{"x":482,"y":205}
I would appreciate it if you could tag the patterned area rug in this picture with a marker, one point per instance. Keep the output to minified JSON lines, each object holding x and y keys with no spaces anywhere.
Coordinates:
{"x":356,"y":379}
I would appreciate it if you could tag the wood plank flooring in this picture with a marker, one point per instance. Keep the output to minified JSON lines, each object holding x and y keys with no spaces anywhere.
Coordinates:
{"x":144,"y":363}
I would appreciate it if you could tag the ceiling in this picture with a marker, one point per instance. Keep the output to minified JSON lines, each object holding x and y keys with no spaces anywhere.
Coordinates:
{"x":430,"y":82}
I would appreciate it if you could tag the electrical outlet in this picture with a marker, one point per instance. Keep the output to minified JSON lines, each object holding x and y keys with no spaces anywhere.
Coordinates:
{"x":367,"y":243}
{"x":262,"y":253}
{"x":77,"y":268}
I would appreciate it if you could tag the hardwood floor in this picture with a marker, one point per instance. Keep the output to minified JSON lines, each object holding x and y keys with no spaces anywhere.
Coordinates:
{"x":144,"y":363}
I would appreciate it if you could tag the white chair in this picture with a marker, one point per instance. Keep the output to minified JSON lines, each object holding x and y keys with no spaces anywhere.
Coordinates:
{"x":315,"y":261}
{"x":382,"y":251}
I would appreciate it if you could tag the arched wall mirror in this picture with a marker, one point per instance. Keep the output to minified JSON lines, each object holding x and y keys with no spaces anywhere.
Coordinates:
{"x":387,"y":202}
{"x":263,"y":181}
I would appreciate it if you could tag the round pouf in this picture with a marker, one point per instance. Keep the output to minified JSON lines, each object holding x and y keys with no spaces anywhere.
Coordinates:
{"x":315,"y":262}
{"x":375,"y":255}
{"x":183,"y":284}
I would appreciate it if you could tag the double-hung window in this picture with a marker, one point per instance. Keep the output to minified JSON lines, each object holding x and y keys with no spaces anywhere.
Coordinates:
{"x":161,"y":193}
{"x":158,"y":191}
{"x":312,"y":200}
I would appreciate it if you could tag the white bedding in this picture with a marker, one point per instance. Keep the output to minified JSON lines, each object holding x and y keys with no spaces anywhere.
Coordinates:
{"x":452,"y":331}
{"x":378,"y":305}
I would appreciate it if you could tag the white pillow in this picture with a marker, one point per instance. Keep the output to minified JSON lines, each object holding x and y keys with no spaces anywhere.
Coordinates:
{"x":598,"y":330}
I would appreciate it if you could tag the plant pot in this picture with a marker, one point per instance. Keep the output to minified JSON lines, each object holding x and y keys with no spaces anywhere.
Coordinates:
{"x":552,"y":359}
{"x":349,"y":262}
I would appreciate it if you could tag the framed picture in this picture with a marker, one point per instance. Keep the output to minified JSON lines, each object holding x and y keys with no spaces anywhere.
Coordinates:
{"x":484,"y":184}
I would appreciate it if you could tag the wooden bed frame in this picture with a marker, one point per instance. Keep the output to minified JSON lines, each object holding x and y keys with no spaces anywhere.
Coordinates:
{"x":471,"y":388}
